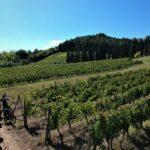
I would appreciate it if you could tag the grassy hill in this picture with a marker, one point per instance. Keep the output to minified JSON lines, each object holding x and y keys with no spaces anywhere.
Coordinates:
{"x":58,"y":58}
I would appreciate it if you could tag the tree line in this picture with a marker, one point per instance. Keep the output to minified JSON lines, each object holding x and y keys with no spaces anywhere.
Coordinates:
{"x":23,"y":57}
{"x":101,"y":46}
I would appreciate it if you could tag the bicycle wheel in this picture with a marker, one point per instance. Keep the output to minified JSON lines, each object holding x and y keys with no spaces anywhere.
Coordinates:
{"x":13,"y":121}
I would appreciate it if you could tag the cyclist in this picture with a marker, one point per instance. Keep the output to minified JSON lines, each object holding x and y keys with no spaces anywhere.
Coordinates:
{"x":5,"y":104}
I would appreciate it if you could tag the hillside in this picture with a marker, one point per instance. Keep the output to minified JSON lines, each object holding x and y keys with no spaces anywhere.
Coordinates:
{"x":17,"y":89}
{"x":94,"y":80}
{"x":50,"y":69}
{"x":96,"y":89}
{"x":108,"y":92}
{"x":58,"y":58}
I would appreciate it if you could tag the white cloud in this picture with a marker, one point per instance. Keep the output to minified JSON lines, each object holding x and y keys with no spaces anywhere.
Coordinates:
{"x":52,"y":43}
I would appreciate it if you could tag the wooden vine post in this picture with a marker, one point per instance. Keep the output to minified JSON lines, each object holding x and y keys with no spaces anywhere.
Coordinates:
{"x":1,"y":138}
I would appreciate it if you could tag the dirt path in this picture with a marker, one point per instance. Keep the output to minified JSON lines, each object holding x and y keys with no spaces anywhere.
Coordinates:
{"x":12,"y":141}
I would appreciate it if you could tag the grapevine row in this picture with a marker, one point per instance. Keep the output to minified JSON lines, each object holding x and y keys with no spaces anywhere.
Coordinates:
{"x":40,"y":71}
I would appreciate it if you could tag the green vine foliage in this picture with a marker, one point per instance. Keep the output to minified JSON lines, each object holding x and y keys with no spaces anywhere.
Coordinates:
{"x":109,"y":104}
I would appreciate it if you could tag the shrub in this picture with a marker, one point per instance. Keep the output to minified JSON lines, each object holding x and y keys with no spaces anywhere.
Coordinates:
{"x":138,"y":62}
{"x":137,"y":55}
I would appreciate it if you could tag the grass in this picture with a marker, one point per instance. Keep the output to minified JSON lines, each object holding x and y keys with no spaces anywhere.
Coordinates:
{"x":19,"y":89}
{"x":58,"y":58}
{"x":2,"y":61}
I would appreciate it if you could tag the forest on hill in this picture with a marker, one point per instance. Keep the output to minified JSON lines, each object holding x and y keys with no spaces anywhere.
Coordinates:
{"x":101,"y":46}
{"x":79,"y":49}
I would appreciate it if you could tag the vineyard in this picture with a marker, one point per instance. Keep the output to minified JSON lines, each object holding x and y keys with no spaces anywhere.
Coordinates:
{"x":74,"y":75}
{"x":109,"y":105}
{"x":48,"y":70}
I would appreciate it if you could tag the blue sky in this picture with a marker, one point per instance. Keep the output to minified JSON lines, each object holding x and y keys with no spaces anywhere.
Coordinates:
{"x":31,"y":24}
